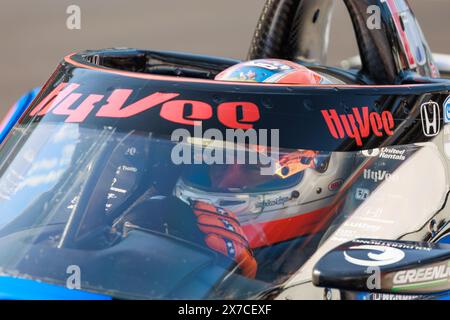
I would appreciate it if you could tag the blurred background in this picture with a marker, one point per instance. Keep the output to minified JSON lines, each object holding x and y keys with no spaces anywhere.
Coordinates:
{"x":34,"y":36}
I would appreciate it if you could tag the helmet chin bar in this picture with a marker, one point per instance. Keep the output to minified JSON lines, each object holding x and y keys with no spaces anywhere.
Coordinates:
{"x":301,"y":29}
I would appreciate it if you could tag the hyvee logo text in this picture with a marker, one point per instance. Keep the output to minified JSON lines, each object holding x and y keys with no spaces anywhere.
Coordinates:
{"x":359,"y":125}
{"x":378,"y":175}
{"x":63,"y":100}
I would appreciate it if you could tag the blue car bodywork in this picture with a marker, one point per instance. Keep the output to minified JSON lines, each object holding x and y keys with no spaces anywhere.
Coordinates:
{"x":16,"y":112}
{"x":25,"y":289}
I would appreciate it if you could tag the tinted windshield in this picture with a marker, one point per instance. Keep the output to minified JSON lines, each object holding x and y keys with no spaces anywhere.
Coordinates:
{"x":93,"y":178}
{"x":138,"y":225}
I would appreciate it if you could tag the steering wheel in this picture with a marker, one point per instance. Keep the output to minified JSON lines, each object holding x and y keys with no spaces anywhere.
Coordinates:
{"x":115,"y":182}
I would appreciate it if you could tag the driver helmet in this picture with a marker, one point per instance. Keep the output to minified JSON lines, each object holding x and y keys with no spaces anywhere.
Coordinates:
{"x":271,"y":208}
{"x":272,"y":71}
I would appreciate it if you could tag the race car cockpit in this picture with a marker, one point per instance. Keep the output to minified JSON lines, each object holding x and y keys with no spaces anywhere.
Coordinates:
{"x":165,"y":175}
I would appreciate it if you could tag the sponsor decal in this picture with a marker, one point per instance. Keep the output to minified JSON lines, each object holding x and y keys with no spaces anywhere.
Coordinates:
{"x":373,"y":213}
{"x":270,"y":64}
{"x":362,"y":194}
{"x":359,"y":125}
{"x":386,"y":153}
{"x":422,"y":277}
{"x":378,"y":175}
{"x":385,"y":255}
{"x":63,"y":99}
{"x":399,"y":245}
{"x":431,"y":119}
{"x":387,"y":296}
{"x":447,"y":110}
{"x":335,"y":185}
{"x":272,"y":202}
{"x":362,"y":226}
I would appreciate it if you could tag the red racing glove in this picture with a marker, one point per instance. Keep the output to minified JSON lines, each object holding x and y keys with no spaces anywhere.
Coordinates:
{"x":224,"y":234}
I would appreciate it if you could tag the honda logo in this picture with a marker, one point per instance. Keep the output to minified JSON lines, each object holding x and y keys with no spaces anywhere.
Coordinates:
{"x":431,"y":119}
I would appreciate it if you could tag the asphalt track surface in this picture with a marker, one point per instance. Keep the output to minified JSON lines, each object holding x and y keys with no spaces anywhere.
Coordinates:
{"x":34,"y":36}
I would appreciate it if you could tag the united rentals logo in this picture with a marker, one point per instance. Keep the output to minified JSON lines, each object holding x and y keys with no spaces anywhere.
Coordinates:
{"x":359,"y":126}
{"x":386,"y":153}
{"x":431,"y":119}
